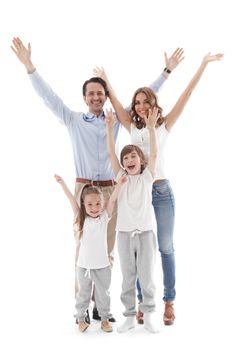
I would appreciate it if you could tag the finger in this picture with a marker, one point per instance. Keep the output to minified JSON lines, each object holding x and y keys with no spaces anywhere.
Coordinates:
{"x":220,"y":55}
{"x":16,"y":44}
{"x":12,"y":48}
{"x":175,"y":52}
{"x":180,"y":53}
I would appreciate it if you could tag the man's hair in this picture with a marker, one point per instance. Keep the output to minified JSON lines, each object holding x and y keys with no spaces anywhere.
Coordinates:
{"x":95,"y":80}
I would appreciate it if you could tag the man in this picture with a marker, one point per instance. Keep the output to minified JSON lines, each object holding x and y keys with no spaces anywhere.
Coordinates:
{"x":87,"y":130}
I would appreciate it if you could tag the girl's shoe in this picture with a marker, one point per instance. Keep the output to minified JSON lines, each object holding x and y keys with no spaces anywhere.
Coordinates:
{"x":82,"y":325}
{"x":169,"y":314}
{"x":105,"y":326}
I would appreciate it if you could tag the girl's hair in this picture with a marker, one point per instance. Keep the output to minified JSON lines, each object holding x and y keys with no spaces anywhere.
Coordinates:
{"x":87,"y":189}
{"x":152,"y":100}
{"x":131,"y":148}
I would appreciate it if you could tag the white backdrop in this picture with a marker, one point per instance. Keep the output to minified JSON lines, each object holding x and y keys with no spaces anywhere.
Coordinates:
{"x":128,"y":38}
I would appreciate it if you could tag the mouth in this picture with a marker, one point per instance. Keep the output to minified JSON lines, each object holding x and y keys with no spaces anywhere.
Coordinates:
{"x":131,"y":167}
{"x":142,"y":113}
{"x":96,"y":103}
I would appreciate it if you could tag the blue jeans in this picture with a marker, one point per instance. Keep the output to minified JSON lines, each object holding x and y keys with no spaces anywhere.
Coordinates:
{"x":164,"y":207}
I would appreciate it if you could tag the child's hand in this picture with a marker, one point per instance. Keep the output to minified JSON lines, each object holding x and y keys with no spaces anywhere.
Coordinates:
{"x":109,"y":118}
{"x":123,"y":179}
{"x":210,"y":58}
{"x":100,"y":73}
{"x":152,"y":117}
{"x":58,"y":178}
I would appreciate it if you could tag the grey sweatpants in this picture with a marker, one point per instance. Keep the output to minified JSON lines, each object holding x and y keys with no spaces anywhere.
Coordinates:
{"x":101,"y":279}
{"x":137,"y":259}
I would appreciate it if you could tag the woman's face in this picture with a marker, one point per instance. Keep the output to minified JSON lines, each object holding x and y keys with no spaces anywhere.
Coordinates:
{"x":142,"y":105}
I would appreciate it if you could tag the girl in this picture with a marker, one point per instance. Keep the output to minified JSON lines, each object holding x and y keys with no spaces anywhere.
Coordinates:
{"x":90,"y":225}
{"x":163,"y":200}
{"x":135,"y":222}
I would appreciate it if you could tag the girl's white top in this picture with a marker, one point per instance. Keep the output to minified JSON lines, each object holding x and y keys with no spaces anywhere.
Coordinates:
{"x":140,"y":138}
{"x":93,"y":253}
{"x":135,"y":210}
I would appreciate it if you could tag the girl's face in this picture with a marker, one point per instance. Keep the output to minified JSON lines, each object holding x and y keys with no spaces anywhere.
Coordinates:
{"x":93,"y":204}
{"x":142,"y":105}
{"x":132,"y":163}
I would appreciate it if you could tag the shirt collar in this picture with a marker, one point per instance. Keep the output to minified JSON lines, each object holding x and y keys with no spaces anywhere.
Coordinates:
{"x":90,"y":117}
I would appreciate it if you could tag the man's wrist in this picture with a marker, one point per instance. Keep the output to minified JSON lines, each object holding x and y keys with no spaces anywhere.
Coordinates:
{"x":30,"y":68}
{"x":167,"y":70}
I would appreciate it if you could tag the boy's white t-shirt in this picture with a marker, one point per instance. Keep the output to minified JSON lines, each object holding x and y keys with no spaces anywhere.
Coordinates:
{"x":135,"y":210}
{"x":140,"y":138}
{"x":93,"y":252}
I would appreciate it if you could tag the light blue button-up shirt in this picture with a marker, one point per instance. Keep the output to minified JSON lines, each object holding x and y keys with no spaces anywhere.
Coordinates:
{"x":87,"y":132}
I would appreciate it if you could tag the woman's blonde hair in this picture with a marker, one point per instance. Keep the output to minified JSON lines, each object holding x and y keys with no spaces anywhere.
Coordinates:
{"x":153,"y":102}
{"x":79,"y":222}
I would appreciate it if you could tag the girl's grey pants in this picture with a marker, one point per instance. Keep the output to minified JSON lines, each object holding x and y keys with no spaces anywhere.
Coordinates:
{"x":101,"y":279}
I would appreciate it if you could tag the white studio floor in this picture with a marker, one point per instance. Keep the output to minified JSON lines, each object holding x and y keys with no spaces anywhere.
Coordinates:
{"x":40,"y":318}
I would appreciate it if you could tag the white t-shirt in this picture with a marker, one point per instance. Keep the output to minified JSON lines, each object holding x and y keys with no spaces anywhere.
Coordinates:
{"x":93,"y":253}
{"x":140,"y":138}
{"x":135,"y":210}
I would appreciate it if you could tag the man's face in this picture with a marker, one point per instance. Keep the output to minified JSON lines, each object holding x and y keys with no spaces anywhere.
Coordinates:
{"x":95,"y":98}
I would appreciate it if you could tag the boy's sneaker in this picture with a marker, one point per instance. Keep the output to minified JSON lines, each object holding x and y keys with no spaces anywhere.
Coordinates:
{"x":96,"y":316}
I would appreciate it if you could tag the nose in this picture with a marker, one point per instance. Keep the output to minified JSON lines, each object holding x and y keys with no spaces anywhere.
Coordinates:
{"x":95,"y":97}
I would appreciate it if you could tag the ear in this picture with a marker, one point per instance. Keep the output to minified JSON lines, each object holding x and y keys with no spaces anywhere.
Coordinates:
{"x":85,"y":100}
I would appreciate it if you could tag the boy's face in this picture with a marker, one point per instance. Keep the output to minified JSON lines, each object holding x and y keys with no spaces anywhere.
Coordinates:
{"x":132,"y":163}
{"x":95,"y":98}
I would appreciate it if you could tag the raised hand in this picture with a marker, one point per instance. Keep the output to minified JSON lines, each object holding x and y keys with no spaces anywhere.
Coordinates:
{"x":58,"y":178}
{"x":23,"y":53}
{"x":175,"y":59}
{"x":152,"y":117}
{"x":100,"y":73}
{"x":123,"y":179}
{"x":109,"y":118}
{"x":210,"y":58}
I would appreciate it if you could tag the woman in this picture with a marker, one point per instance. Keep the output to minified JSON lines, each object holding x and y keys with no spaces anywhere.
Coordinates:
{"x":162,"y":196}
